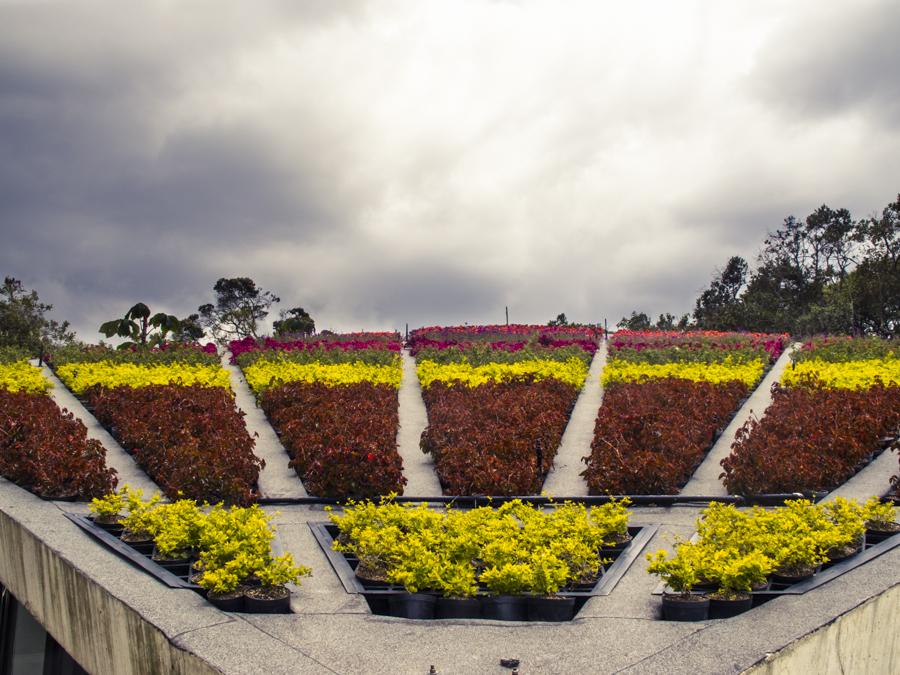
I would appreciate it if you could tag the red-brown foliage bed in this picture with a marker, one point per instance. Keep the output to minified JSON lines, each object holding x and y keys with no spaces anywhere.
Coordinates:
{"x":650,"y":436}
{"x":342,"y":439}
{"x":190,"y":440}
{"x":811,"y":439}
{"x":46,"y":450}
{"x":485,"y":439}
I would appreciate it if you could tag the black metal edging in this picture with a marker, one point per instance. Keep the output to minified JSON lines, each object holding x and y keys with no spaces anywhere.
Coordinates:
{"x":123,"y":550}
{"x":604,"y":585}
{"x":620,"y":566}
{"x":474,"y":501}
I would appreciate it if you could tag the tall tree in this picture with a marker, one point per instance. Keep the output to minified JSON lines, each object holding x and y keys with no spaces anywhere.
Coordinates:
{"x":23,"y":320}
{"x":718,"y":307}
{"x":294,"y":321}
{"x":238,"y":310}
{"x":140,"y":328}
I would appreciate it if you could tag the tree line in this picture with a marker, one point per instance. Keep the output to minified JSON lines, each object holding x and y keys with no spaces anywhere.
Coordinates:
{"x":827,"y":273}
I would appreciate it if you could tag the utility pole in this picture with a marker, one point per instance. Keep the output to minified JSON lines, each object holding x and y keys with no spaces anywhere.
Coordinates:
{"x":507,"y":314}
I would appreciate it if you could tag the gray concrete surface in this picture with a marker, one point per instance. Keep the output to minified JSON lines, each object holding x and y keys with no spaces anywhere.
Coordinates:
{"x":564,"y":479}
{"x":418,"y":467}
{"x":276,"y":479}
{"x":113,"y":618}
{"x":873,"y":480}
{"x":705,"y":480}
{"x":127,"y":469}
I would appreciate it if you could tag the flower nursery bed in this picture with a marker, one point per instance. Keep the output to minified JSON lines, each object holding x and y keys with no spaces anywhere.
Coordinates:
{"x":382,"y":598}
{"x":835,"y":408}
{"x":333,"y":402}
{"x":498,"y":400}
{"x":174,"y":411}
{"x":669,"y":395}
{"x":42,"y":448}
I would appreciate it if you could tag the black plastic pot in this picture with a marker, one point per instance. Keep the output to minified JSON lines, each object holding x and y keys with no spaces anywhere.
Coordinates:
{"x":457,"y":608}
{"x":721,"y":608}
{"x":413,"y":605}
{"x":145,"y":546}
{"x":680,"y":608}
{"x":550,"y":608}
{"x":790,"y":579}
{"x":113,"y":528}
{"x":227,"y":602}
{"x":877,"y":536}
{"x":178,"y":566}
{"x":264,"y":605}
{"x":504,"y":608}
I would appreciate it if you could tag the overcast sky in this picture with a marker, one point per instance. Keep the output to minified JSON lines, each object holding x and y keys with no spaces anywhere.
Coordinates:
{"x":391,"y":162}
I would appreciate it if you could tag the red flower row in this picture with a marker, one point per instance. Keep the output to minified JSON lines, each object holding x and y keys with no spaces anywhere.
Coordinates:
{"x":650,"y":436}
{"x":811,"y":439}
{"x":497,"y":438}
{"x":342,"y":440}
{"x":46,"y":450}
{"x":190,"y":440}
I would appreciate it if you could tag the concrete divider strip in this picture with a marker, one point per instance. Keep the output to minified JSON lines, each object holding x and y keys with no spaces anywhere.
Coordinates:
{"x":276,"y":479}
{"x":116,"y":457}
{"x":564,"y":479}
{"x":705,"y":480}
{"x":421,"y":479}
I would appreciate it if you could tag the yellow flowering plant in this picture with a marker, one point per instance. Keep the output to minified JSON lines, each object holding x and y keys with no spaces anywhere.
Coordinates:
{"x":80,"y":376}
{"x":266,"y":373}
{"x":572,"y":371}
{"x":24,"y":377}
{"x":618,"y":370}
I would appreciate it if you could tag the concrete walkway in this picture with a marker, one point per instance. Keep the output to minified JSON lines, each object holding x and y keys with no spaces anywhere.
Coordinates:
{"x":421,"y":479}
{"x":277,"y":479}
{"x":705,"y":480}
{"x":873,"y":480}
{"x":564,"y":479}
{"x":116,"y":457}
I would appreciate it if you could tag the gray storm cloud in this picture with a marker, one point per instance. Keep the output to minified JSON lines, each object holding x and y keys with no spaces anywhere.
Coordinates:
{"x":424,"y":162}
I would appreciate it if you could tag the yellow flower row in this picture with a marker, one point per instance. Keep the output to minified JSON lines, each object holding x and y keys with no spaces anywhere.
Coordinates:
{"x":846,"y":374}
{"x":574,"y":371}
{"x":80,"y":376}
{"x":22,"y":376}
{"x":628,"y":371}
{"x":263,"y":373}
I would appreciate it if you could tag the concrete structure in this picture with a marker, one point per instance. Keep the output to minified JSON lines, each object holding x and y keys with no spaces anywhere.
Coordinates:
{"x":418,"y":468}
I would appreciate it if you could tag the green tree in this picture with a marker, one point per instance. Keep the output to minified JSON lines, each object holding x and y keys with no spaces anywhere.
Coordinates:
{"x":560,"y":320}
{"x":140,"y":328}
{"x":637,"y":321}
{"x":23,"y":321}
{"x":189,"y":330}
{"x":718,"y":307}
{"x":238,"y":310}
{"x":294,"y":321}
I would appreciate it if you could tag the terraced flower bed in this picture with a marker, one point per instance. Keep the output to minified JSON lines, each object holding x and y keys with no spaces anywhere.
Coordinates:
{"x":333,"y":401}
{"x":174,"y":411}
{"x":498,"y":401}
{"x":835,"y":408}
{"x":42,"y":448}
{"x":668,"y":395}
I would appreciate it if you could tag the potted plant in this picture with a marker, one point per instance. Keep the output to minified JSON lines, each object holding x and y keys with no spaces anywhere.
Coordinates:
{"x":458,"y":588}
{"x":138,"y":524}
{"x":272,"y":595}
{"x":106,"y":511}
{"x":880,"y":519}
{"x":223,"y":583}
{"x":176,"y":534}
{"x":612,"y":518}
{"x":416,"y":569}
{"x":505,"y":586}
{"x":679,"y":574}
{"x":548,"y":575}
{"x":849,"y":529}
{"x":737,"y":578}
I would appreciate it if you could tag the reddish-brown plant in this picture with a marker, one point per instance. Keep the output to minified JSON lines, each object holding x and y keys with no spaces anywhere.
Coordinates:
{"x":811,"y":439}
{"x":342,"y":440}
{"x":650,"y":436}
{"x":46,"y":450}
{"x":190,"y":440}
{"x":496,"y":438}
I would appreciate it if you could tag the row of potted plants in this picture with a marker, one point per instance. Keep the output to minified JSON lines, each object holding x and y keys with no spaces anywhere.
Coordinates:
{"x":738,"y":552}
{"x":177,"y":418}
{"x":835,"y":408}
{"x":333,"y":401}
{"x":42,"y":448}
{"x":227,"y":552}
{"x":668,"y":396}
{"x":498,"y":400}
{"x":512,"y":562}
